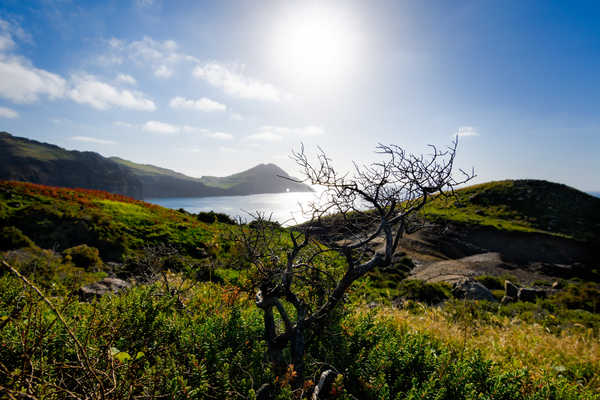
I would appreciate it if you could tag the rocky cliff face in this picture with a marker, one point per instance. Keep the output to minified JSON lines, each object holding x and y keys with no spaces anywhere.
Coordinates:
{"x":31,"y":161}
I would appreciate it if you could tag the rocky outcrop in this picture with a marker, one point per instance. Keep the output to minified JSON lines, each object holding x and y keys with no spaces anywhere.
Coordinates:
{"x":513,"y":293}
{"x":100,"y":288}
{"x":471,"y":290}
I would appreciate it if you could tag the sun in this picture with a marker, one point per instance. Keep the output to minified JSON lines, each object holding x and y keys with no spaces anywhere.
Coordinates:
{"x":314,"y":44}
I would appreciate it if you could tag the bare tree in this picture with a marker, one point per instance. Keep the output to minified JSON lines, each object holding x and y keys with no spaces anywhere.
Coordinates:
{"x":359,"y":220}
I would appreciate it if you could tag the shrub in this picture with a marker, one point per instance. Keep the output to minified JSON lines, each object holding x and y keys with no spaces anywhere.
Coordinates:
{"x":12,"y":238}
{"x":430,"y":293}
{"x":212,"y":217}
{"x":491,"y":282}
{"x":585,"y":296}
{"x":83,"y":256}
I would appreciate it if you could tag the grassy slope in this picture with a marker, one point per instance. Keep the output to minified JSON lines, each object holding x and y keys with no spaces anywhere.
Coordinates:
{"x":380,"y":355}
{"x":241,"y":177}
{"x":522,"y":205}
{"x":116,"y":225}
{"x":31,"y":149}
{"x":147,"y":169}
{"x":226,"y":182}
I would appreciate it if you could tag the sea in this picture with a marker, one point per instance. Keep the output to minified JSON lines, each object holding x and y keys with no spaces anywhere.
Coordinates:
{"x":285,"y":208}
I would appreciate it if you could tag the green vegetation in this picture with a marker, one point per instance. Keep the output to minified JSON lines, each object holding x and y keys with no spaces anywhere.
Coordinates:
{"x":143,"y":344}
{"x":184,"y":339}
{"x":522,"y":205}
{"x":83,"y":256}
{"x":115,"y":225}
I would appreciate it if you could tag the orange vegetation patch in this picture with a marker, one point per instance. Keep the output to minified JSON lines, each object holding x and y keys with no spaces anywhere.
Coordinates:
{"x":78,"y":195}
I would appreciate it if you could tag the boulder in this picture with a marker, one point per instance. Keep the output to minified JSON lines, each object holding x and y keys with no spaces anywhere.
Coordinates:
{"x":507,"y":299}
{"x":510,"y":289}
{"x":100,"y":288}
{"x":470,"y":289}
{"x":530,"y":294}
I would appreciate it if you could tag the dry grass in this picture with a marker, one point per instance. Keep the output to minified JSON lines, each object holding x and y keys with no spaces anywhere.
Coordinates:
{"x":511,"y":343}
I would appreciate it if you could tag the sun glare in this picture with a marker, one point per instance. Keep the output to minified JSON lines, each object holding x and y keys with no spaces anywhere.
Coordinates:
{"x":314,"y":45}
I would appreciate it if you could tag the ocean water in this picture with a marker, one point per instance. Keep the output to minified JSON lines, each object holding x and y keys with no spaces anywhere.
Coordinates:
{"x":285,"y":208}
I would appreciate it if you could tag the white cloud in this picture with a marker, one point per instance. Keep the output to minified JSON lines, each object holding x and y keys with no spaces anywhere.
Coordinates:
{"x":160,"y":127}
{"x":23,"y":83}
{"x":123,"y":124}
{"x":6,"y":42}
{"x":235,"y":83}
{"x":236,"y":117}
{"x":9,"y":31}
{"x":88,"y":139}
{"x":193,"y":129}
{"x":206,"y":132}
{"x":466,"y":131}
{"x":88,"y":90}
{"x":163,"y":72}
{"x":266,"y":136}
{"x":220,"y":135}
{"x":202,"y":104}
{"x":124,"y":78}
{"x":307,"y":131}
{"x":226,"y":149}
{"x":8,"y":113}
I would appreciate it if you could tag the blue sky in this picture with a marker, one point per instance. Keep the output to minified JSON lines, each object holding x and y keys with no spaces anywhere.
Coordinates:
{"x":212,"y":88}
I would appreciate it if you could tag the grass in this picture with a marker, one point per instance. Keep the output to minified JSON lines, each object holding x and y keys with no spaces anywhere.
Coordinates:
{"x":201,"y":339}
{"x":144,"y":344}
{"x":522,"y":206}
{"x":511,"y":343}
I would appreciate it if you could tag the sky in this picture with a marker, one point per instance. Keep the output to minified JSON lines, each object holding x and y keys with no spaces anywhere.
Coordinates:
{"x":213,"y":88}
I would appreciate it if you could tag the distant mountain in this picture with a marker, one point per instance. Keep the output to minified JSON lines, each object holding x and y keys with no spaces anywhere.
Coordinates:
{"x":161,"y":182}
{"x":596,"y":194}
{"x":27,"y":160}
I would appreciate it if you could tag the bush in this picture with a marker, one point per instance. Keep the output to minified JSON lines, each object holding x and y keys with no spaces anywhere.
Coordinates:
{"x":83,"y":256}
{"x":12,"y":238}
{"x":430,"y":293}
{"x":491,"y":282}
{"x":211,"y":217}
{"x":585,"y":296}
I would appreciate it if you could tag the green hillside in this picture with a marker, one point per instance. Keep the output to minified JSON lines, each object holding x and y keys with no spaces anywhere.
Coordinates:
{"x":162,"y":182}
{"x":196,"y":333}
{"x":147,"y":169}
{"x":61,"y":218}
{"x":31,"y":161}
{"x":522,"y":205}
{"x":26,"y":160}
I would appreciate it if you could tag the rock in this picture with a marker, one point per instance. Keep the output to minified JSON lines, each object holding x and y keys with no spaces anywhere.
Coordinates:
{"x":323,"y":388}
{"x":530,"y":294}
{"x":510,"y":289}
{"x":506,"y":299}
{"x":100,"y":288}
{"x":468,"y":288}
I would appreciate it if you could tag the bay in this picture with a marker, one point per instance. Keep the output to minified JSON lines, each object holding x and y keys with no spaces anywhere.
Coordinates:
{"x":285,"y":208}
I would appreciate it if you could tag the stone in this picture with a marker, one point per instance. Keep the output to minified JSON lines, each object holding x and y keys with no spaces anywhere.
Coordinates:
{"x":510,"y":289}
{"x":102,"y":287}
{"x":507,"y":299}
{"x":530,"y":294}
{"x":323,"y":388}
{"x":470,"y":289}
